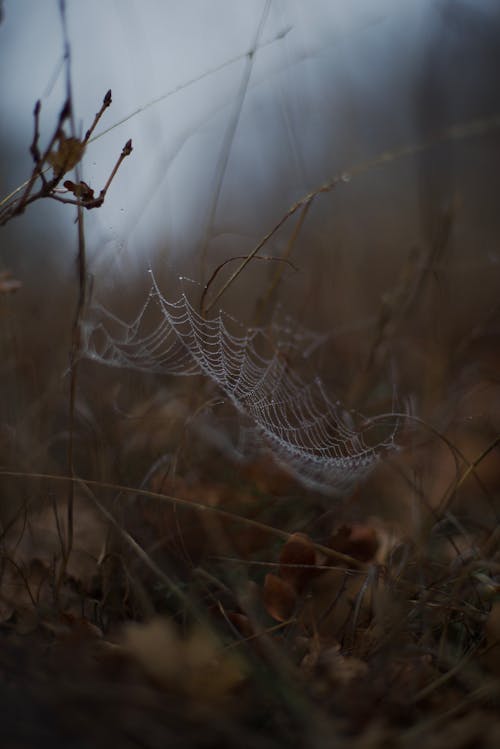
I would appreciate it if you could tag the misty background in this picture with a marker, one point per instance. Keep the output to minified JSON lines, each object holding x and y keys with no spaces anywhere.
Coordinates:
{"x":238,"y":109}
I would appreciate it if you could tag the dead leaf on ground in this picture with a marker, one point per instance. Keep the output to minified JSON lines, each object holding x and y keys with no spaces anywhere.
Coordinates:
{"x":338,"y":668}
{"x":279,"y":598}
{"x":297,"y":561}
{"x":357,"y":540}
{"x":242,"y":623}
{"x":196,"y":665}
{"x":330,"y":608}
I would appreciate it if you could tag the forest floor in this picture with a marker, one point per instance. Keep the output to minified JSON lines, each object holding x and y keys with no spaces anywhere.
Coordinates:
{"x":202,"y":602}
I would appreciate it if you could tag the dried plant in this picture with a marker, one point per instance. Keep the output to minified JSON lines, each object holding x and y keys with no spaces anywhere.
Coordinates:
{"x":62,"y":154}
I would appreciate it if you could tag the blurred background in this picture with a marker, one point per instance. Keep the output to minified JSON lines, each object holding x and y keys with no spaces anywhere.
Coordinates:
{"x":236,"y":110}
{"x":225,"y":141}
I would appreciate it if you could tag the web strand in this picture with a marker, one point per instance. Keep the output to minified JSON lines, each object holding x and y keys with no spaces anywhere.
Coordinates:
{"x":296,"y":420}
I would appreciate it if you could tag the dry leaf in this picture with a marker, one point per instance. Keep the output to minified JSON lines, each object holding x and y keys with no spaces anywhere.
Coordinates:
{"x":341,"y":669}
{"x":279,"y":598}
{"x":241,"y":622}
{"x":69,"y":153}
{"x":211,"y":672}
{"x":357,"y":540}
{"x":154,"y":645}
{"x":195,"y":666}
{"x":298,"y":550}
{"x":329,"y":610}
{"x":80,"y":190}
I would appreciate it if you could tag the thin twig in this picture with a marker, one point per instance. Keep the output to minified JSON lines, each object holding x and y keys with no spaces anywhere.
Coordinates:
{"x":275,"y":281}
{"x":137,"y":548}
{"x":83,"y":194}
{"x":26,"y":198}
{"x":106,"y":102}
{"x":76,"y":328}
{"x":231,"y":128}
{"x":471,"y":469}
{"x":426,"y":691}
{"x":194,"y":506}
{"x":240,"y":257}
{"x":36,"y":134}
{"x":474,"y":128}
{"x":126,"y":151}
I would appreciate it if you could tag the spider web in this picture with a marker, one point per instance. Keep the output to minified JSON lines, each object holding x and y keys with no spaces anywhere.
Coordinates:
{"x":295,"y":419}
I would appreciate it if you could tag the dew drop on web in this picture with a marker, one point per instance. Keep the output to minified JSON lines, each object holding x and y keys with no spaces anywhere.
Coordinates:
{"x":288,"y":424}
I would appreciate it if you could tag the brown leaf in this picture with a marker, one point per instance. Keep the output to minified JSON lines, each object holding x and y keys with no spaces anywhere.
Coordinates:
{"x":196,"y":665}
{"x":80,"y":190}
{"x":329,"y":609}
{"x":358,"y":540}
{"x":341,"y":669}
{"x":279,"y":598}
{"x":241,"y":622}
{"x":71,"y":630}
{"x":298,"y":550}
{"x":155,"y":645}
{"x":69,"y":153}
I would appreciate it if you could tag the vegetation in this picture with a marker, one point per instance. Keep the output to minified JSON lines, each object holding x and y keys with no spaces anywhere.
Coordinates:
{"x":160,"y":587}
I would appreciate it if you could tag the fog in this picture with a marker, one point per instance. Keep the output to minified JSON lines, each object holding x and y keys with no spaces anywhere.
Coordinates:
{"x":237,"y":109}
